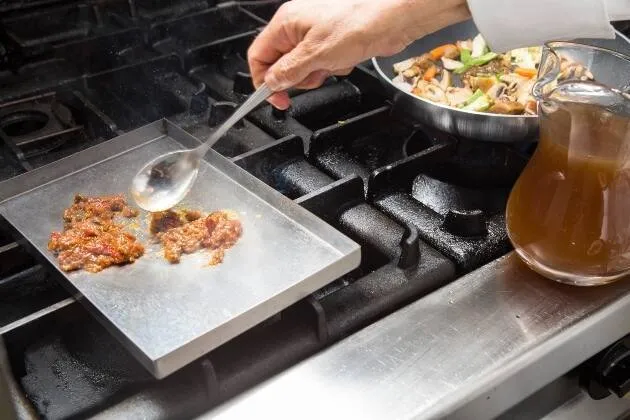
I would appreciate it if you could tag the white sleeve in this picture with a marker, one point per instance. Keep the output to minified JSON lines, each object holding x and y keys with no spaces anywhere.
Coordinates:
{"x":618,"y":9}
{"x":509,"y":24}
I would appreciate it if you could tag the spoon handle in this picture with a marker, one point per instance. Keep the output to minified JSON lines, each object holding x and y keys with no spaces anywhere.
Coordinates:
{"x":262,"y":93}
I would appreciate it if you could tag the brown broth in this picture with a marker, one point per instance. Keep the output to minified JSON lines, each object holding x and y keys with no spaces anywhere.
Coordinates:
{"x":570,"y":209}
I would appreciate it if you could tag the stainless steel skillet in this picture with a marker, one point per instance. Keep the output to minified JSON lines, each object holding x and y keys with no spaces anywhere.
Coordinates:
{"x":469,"y":124}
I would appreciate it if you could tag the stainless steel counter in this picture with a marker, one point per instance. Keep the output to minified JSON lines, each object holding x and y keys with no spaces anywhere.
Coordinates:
{"x":470,"y":350}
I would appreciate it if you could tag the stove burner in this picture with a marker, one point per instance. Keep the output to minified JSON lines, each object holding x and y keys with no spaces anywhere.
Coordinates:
{"x":36,"y":125}
{"x":20,"y":123}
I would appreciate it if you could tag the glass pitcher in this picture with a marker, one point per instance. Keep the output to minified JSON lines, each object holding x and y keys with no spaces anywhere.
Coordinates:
{"x":568,"y":215}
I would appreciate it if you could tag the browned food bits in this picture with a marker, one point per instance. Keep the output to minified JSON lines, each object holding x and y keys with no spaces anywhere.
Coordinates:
{"x":218,"y":232}
{"x":91,"y":240}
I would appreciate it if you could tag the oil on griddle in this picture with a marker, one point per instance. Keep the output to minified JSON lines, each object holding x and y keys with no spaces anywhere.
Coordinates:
{"x":95,"y":235}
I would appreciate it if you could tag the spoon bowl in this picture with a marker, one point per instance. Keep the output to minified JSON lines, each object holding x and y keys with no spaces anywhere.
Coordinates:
{"x":165,"y":181}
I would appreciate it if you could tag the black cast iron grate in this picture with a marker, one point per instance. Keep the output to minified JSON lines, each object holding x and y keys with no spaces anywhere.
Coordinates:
{"x":425,"y":207}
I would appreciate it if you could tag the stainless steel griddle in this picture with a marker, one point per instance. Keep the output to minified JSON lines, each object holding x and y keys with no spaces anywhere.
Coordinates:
{"x":169,"y":315}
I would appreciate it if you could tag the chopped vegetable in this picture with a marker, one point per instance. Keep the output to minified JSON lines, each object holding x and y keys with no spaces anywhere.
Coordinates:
{"x":457,"y":96}
{"x":481,"y":104}
{"x":483,"y":82}
{"x":445,"y":83}
{"x":527,"y":58}
{"x":529,"y":73}
{"x":451,"y":64}
{"x":464,"y":45}
{"x":465,"y":56}
{"x":448,"y":51}
{"x":479,"y":46}
{"x":430,"y":73}
{"x":478,"y":94}
{"x":487,"y":82}
{"x":479,"y":61}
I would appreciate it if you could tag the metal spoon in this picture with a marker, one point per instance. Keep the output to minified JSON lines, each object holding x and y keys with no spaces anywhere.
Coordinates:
{"x":166,"y":180}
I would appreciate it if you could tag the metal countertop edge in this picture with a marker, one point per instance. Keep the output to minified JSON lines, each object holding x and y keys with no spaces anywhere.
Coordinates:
{"x":469,"y":350}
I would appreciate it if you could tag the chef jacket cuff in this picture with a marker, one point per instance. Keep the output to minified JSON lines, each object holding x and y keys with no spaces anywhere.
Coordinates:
{"x":510,"y":24}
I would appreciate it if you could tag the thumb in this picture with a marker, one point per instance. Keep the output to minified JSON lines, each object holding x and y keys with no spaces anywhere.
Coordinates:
{"x":292,"y":68}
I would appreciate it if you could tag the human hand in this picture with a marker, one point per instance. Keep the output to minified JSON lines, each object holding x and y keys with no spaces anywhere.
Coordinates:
{"x":307,"y":41}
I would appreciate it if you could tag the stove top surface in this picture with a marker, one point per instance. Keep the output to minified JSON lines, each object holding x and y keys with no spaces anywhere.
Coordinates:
{"x":425,"y":207}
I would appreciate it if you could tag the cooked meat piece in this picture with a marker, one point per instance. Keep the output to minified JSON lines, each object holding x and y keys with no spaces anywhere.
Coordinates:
{"x":91,"y":240}
{"x":218,"y":231}
{"x":192,"y":215}
{"x":424,"y":61}
{"x":129,"y":212}
{"x":184,"y":239}
{"x":507,"y":107}
{"x":223,"y":231}
{"x":164,"y":220}
{"x":170,"y":219}
{"x":105,"y":207}
{"x":93,"y":246}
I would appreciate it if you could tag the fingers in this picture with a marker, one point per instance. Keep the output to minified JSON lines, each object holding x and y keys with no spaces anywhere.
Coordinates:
{"x":343,"y":72}
{"x":293,"y":67}
{"x":271,"y":44}
{"x":280,"y":100}
{"x":313,"y":80}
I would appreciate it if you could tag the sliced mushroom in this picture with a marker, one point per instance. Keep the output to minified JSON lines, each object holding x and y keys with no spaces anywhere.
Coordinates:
{"x":429,"y":91}
{"x":400,"y":82}
{"x":404,"y":65}
{"x":497,"y":90}
{"x":457,"y":96}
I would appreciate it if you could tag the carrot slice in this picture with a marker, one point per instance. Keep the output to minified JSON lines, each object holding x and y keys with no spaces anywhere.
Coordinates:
{"x":529,"y":73}
{"x":430,"y":73}
{"x":439,"y":52}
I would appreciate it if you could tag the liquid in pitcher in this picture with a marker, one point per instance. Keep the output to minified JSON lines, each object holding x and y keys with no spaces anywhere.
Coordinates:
{"x":568,"y":215}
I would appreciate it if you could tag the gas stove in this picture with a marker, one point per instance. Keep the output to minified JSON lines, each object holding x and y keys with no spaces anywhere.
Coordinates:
{"x":426,"y":208}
